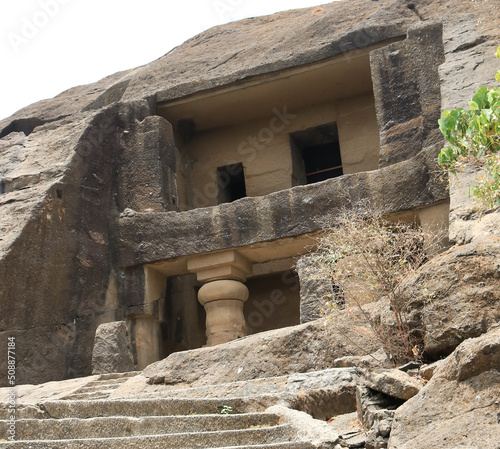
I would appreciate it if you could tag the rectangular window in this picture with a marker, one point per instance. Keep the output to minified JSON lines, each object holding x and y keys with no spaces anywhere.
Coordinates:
{"x":320,"y":150}
{"x":231,"y":183}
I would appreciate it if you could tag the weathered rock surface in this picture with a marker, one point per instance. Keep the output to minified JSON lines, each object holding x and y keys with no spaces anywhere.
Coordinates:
{"x":318,"y":432}
{"x":456,"y":295}
{"x":469,"y":221}
{"x":31,"y":394}
{"x":314,"y":292}
{"x":55,"y":221}
{"x":471,"y":35}
{"x":376,"y":410}
{"x":323,"y":394}
{"x":112,"y":353}
{"x":374,"y":407}
{"x":460,"y":405}
{"x":394,"y":383}
{"x":376,"y":360}
{"x":409,"y":128}
{"x":427,"y":371}
{"x":298,"y":349}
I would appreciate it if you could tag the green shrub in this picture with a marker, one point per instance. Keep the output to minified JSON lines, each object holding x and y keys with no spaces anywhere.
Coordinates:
{"x":474,"y":138}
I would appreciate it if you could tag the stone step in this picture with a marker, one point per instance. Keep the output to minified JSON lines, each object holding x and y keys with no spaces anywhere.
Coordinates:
{"x":93,"y":392}
{"x":100,"y":388}
{"x":119,"y":376}
{"x":92,"y":408}
{"x":140,"y":407}
{"x":289,"y":445}
{"x":102,"y":385}
{"x":110,"y":427}
{"x":280,"y":385}
{"x":256,"y":387}
{"x":217,"y":439}
{"x":89,"y":395}
{"x":285,"y":445}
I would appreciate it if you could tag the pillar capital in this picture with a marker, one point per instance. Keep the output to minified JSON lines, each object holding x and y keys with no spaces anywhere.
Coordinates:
{"x":221,"y":290}
{"x":223,"y":265}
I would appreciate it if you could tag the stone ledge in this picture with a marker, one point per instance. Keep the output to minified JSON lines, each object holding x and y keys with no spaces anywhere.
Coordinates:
{"x":151,"y":237}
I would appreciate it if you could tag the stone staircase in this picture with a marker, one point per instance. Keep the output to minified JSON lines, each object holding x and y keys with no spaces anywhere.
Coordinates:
{"x":91,"y":417}
{"x":102,"y":387}
{"x":147,"y":423}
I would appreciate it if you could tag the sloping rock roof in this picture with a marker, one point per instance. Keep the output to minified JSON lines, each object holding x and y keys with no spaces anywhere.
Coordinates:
{"x":234,"y":51}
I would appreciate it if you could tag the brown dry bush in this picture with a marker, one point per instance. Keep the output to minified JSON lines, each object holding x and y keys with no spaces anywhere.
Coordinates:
{"x":365,"y":258}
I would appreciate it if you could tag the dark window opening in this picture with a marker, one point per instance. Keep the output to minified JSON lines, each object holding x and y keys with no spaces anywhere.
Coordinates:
{"x":320,"y":151}
{"x":231,"y":183}
{"x":59,"y":193}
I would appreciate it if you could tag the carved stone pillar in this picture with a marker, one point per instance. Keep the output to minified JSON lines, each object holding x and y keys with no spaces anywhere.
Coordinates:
{"x":223,"y":293}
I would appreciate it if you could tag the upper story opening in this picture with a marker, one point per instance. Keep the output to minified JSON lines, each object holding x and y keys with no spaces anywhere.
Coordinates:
{"x":231,"y":183}
{"x":318,"y":149}
{"x":290,"y":128}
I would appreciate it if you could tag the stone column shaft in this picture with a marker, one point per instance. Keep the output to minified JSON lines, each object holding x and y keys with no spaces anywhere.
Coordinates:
{"x":223,"y":294}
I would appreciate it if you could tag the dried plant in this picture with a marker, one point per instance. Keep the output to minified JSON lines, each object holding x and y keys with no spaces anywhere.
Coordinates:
{"x":363,"y":258}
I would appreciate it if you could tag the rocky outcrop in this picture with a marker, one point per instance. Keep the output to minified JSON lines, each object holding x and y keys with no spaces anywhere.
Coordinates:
{"x":470,"y":37}
{"x":455,"y":296}
{"x":68,"y":165}
{"x":298,"y":349}
{"x":469,"y":221}
{"x":409,"y":117}
{"x":459,"y":407}
{"x":222,"y":55}
{"x":378,"y":396}
{"x":376,"y":360}
{"x":56,"y":229}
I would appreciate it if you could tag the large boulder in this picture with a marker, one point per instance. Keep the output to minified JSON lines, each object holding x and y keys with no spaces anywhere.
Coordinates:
{"x":460,"y":405}
{"x":455,"y":296}
{"x":394,"y":383}
{"x":307,"y":347}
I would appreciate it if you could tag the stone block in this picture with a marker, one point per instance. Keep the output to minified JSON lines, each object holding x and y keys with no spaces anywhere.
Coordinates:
{"x":112,"y":352}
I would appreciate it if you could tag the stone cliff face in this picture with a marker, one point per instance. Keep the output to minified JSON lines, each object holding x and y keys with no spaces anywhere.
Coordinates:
{"x":69,"y":165}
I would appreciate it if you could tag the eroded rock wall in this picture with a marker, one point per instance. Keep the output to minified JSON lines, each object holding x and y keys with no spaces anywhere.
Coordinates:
{"x":58,"y":279}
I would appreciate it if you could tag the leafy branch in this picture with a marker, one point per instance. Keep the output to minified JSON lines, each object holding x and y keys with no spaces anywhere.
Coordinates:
{"x":474,"y":138}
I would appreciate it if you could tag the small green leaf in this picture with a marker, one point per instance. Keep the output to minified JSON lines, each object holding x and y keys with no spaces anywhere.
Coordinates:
{"x":473,"y":105}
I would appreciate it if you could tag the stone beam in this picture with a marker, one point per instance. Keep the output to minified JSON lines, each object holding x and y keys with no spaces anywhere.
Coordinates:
{"x":405,"y":186}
